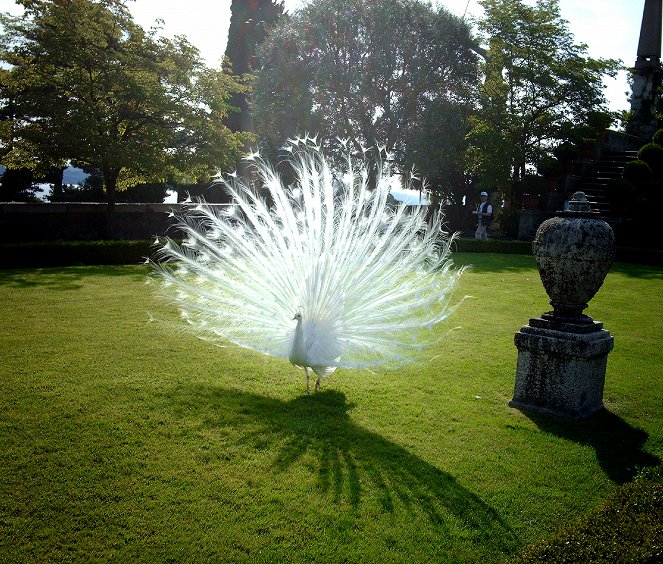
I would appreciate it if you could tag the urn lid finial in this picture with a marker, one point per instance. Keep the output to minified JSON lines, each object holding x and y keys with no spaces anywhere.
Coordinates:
{"x":578,"y":207}
{"x":579,"y":202}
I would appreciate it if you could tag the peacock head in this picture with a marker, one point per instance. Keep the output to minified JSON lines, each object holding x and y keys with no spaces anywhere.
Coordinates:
{"x":298,"y":316}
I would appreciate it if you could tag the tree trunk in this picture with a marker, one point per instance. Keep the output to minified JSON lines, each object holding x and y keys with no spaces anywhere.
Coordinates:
{"x":55,"y":178}
{"x":110,"y":185}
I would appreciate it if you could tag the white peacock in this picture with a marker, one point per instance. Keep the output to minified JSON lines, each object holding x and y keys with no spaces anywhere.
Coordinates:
{"x":328,"y":275}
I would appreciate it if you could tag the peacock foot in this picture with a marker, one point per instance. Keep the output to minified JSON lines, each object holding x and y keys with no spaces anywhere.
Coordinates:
{"x":317,"y":384}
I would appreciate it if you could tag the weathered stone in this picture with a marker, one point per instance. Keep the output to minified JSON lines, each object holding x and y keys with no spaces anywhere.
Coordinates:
{"x":574,"y":252}
{"x":560,"y":371}
{"x":562,"y":355}
{"x":647,"y":73}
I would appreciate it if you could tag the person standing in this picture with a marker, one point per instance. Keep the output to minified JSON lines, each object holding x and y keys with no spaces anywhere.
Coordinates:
{"x":484,"y":213}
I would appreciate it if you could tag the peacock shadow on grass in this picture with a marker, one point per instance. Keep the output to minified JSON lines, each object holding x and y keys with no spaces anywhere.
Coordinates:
{"x":618,"y":445}
{"x":352,"y":462}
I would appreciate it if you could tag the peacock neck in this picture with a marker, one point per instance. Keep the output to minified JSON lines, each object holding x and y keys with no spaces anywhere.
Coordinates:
{"x":297,"y":352}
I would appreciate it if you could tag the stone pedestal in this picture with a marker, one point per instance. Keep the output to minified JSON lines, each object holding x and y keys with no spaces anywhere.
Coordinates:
{"x":561,"y":366}
{"x":562,"y":355}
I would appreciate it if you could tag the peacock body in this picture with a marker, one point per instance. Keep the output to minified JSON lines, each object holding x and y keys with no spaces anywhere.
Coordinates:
{"x":327,"y":275}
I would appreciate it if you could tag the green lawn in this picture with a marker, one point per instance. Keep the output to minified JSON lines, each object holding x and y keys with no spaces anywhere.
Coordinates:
{"x":122,"y":439}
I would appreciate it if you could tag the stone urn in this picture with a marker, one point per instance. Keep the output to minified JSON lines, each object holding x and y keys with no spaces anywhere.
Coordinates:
{"x":562,"y":355}
{"x":574,"y":252}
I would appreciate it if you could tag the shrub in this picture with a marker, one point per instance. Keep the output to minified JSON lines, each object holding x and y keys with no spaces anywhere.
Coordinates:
{"x":550,"y":167}
{"x":75,"y":253}
{"x":566,"y":152}
{"x":658,"y":137}
{"x":626,"y":528}
{"x":621,"y":194}
{"x":17,"y":185}
{"x":652,"y":154}
{"x":637,"y":172}
{"x":508,"y":219}
{"x":70,"y":253}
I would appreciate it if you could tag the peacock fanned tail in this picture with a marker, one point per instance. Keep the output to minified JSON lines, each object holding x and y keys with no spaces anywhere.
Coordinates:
{"x":369,"y":279}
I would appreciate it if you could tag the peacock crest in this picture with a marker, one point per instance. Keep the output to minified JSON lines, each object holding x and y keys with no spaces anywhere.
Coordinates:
{"x":323,"y":272}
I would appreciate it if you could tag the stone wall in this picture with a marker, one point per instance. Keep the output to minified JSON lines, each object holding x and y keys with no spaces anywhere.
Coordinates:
{"x":85,"y":221}
{"x":459,"y":218}
{"x":22,"y":222}
{"x":529,"y":222}
{"x":619,"y":141}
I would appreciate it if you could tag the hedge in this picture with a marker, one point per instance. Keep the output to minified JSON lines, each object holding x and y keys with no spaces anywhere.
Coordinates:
{"x":76,"y":253}
{"x":652,"y":154}
{"x":658,"y":137}
{"x":627,"y":527}
{"x":637,"y":171}
{"x":73,"y":253}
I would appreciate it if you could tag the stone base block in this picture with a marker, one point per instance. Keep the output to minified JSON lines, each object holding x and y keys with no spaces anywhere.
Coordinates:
{"x":561,"y":368}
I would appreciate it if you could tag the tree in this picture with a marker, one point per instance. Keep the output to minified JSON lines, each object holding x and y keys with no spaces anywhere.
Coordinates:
{"x":372,"y":71}
{"x":540,"y":89}
{"x":17,"y":185}
{"x":437,"y":149}
{"x":83,"y":83}
{"x":250,"y":22}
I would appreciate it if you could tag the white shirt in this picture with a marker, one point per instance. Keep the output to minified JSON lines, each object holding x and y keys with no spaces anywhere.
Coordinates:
{"x":484,"y":207}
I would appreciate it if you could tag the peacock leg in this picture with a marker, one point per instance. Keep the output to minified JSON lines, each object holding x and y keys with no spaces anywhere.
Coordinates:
{"x":317,"y":384}
{"x":308,"y":376}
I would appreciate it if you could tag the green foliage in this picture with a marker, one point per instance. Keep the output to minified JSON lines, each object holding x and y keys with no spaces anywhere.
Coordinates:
{"x":621,"y":195}
{"x":550,"y":167}
{"x":541,"y":89}
{"x":17,"y":185}
{"x":67,"y":253}
{"x":373,"y":71}
{"x":83,"y":82}
{"x":566,"y":152}
{"x":123,"y":440}
{"x":92,"y":191}
{"x":658,"y":137}
{"x":627,"y":527}
{"x":509,"y":220}
{"x":249,"y":24}
{"x":637,"y":172}
{"x":86,"y":193}
{"x":652,"y":154}
{"x":436,"y":150}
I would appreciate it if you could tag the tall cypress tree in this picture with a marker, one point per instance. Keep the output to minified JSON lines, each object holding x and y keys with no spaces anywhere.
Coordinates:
{"x":250,"y":21}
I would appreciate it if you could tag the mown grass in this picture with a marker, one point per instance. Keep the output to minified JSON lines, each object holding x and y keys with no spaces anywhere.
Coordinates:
{"x":123,"y":440}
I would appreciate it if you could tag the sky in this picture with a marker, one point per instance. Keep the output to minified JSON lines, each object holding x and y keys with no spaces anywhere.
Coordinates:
{"x":610,"y":28}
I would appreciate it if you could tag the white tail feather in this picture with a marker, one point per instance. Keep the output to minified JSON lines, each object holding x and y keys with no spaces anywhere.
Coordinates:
{"x":368,"y":281}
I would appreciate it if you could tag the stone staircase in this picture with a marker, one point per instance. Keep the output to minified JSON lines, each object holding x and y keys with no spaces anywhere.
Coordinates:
{"x":595,"y":175}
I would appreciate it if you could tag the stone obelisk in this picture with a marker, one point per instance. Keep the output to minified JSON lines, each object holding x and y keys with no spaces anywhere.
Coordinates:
{"x":647,"y":73}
